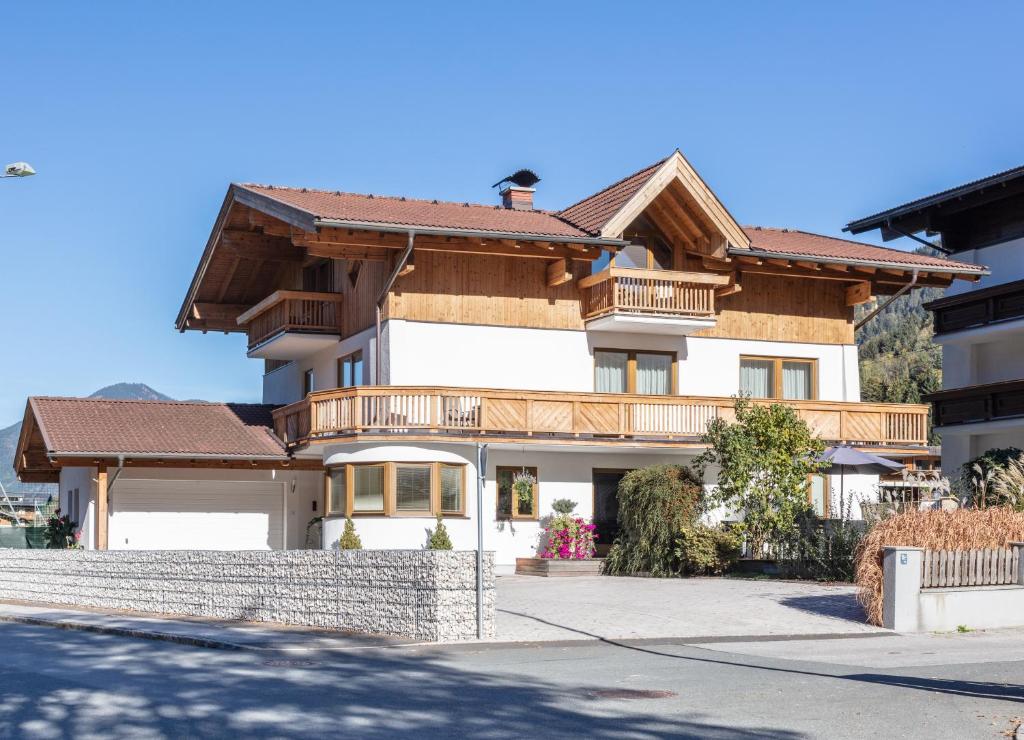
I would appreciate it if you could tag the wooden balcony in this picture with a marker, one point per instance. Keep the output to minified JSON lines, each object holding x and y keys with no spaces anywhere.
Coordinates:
{"x":289,"y":324}
{"x":979,"y":403}
{"x":585,"y":418}
{"x":649,"y":300}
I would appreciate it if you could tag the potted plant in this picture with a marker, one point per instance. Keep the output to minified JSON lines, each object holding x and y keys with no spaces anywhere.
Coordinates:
{"x":523,"y":484}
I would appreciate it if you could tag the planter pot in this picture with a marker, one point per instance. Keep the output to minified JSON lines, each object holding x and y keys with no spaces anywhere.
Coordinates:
{"x":756,"y":566}
{"x":550,"y":567}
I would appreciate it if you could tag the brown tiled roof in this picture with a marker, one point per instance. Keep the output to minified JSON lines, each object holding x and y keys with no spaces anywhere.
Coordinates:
{"x":791,"y":241}
{"x":380,"y":209}
{"x":594,"y":211}
{"x":92,"y":425}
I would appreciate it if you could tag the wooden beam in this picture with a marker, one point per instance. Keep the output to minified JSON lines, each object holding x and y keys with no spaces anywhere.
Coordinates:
{"x":778,"y":263}
{"x":102,"y":517}
{"x":858,"y":293}
{"x":732,"y":288}
{"x":559,"y":272}
{"x":808,"y":265}
{"x":409,"y":266}
{"x":713,"y":263}
{"x":257,"y":246}
{"x":222,"y":291}
{"x":218,"y":311}
{"x":747,"y":260}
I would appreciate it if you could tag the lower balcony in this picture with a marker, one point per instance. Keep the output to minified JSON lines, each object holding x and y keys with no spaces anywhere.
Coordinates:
{"x":649,"y":301}
{"x":544,"y":417}
{"x":290,"y":324}
{"x":978,"y":404}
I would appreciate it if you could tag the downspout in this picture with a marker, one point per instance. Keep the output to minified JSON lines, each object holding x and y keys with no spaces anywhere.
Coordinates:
{"x":888,"y":303}
{"x":399,"y":266}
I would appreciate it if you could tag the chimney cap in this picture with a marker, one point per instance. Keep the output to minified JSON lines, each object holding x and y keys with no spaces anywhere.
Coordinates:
{"x":524,"y":178}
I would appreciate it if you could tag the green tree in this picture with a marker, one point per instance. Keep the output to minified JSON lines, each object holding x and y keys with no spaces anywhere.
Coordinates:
{"x":764,"y":460}
{"x":439,"y":539}
{"x":349,"y":539}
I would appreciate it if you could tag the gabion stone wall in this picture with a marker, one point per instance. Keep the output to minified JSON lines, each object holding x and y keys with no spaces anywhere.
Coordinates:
{"x":422,"y":594}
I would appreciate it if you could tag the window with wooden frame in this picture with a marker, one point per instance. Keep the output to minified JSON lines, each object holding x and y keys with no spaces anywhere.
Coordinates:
{"x":396,"y":489}
{"x":819,"y":488}
{"x":648,"y":249}
{"x":787,"y":378}
{"x":511,"y":504}
{"x":647,"y":372}
{"x":351,"y":370}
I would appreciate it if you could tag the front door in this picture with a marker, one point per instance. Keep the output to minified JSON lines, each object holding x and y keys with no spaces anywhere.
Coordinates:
{"x":606,"y":507}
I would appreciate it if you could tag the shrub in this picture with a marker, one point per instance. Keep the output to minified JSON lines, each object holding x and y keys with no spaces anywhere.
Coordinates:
{"x":977,"y":476}
{"x":963,"y":529}
{"x":349,"y":539}
{"x":563,"y":506}
{"x":764,"y":461}
{"x":439,"y":539}
{"x":60,"y":532}
{"x":569,"y":538}
{"x":655,"y":503}
{"x":1008,"y":484}
{"x":824,"y":550}
{"x":704,"y":550}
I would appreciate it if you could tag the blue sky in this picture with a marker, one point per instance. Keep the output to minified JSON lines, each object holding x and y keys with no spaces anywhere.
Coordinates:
{"x":137,"y":116}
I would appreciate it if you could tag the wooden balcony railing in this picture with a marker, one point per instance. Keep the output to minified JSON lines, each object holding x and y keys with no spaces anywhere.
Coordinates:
{"x":649,"y":292}
{"x":978,"y":403}
{"x":543,"y":415}
{"x":978,"y":308}
{"x":292,"y":310}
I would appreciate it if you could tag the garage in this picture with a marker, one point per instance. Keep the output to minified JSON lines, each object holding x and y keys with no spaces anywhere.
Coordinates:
{"x":148,"y":514}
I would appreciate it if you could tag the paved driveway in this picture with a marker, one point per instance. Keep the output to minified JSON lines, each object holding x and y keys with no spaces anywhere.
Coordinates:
{"x":534,"y":608}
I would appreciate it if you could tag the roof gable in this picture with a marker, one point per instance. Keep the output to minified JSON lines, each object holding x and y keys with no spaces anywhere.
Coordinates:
{"x":594,"y":211}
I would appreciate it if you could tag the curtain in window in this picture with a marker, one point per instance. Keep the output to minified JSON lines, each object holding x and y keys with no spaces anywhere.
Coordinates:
{"x":653,"y":374}
{"x":412,"y":488}
{"x":796,"y":380}
{"x":611,"y":372}
{"x":337,"y":501}
{"x":368,"y":485}
{"x":818,"y":494}
{"x":756,"y":378}
{"x":451,"y":488}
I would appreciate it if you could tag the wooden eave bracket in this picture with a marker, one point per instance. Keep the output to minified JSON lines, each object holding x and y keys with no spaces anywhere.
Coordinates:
{"x":858,"y":293}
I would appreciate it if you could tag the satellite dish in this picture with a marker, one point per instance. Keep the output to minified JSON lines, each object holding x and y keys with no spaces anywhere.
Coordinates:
{"x":523,"y":178}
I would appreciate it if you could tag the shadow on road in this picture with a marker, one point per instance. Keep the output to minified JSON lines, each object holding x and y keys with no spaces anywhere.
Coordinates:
{"x":61,"y":684}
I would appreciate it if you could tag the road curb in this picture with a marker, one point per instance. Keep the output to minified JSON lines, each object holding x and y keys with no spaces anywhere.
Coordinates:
{"x":129,"y":632}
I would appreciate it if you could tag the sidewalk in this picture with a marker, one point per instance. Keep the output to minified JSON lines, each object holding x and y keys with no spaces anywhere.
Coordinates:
{"x":208,"y":633}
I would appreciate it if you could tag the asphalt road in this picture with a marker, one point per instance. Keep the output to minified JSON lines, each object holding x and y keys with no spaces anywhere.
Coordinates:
{"x":56,"y":683}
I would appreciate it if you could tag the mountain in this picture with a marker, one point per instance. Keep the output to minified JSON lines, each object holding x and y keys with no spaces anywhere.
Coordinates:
{"x":899,"y":363}
{"x":9,"y":439}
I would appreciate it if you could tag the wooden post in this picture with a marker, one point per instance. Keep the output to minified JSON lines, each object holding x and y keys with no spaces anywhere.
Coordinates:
{"x":101,"y":509}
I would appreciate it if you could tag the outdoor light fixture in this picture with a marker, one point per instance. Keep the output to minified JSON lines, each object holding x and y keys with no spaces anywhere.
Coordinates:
{"x":18,"y":169}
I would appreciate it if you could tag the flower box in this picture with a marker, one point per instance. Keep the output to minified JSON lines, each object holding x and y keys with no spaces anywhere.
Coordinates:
{"x":550,"y":567}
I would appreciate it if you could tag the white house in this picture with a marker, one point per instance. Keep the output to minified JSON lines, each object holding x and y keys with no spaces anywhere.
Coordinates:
{"x":399,"y":334}
{"x":980,"y":325}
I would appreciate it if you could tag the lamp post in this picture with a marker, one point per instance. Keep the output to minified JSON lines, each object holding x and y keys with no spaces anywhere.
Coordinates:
{"x":18,"y":169}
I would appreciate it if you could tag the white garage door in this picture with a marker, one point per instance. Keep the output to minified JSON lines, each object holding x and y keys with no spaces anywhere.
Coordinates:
{"x":196,"y":515}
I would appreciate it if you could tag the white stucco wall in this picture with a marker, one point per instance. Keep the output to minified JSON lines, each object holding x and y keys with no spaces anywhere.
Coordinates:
{"x":284,"y":385}
{"x":1004,"y":260}
{"x":83,"y":480}
{"x":542,"y":359}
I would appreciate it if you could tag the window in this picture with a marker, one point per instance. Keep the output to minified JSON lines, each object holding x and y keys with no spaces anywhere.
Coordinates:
{"x":777,"y":377}
{"x":453,"y":485}
{"x":319,"y":277}
{"x":631,"y":371}
{"x":647,"y":249}
{"x":336,"y":491}
{"x":817,"y":494}
{"x":412,"y":488}
{"x":350,"y":370}
{"x":511,"y":504}
{"x":307,"y":382}
{"x":385,"y":489}
{"x":368,"y":488}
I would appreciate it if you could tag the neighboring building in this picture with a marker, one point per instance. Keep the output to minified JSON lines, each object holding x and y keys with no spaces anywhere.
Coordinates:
{"x":980,"y":326}
{"x":399,"y":333}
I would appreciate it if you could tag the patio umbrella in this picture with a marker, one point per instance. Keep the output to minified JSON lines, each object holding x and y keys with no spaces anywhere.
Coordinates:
{"x":843,"y":459}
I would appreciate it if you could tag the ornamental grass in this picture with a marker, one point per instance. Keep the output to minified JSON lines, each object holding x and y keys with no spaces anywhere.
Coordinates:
{"x":962,"y":529}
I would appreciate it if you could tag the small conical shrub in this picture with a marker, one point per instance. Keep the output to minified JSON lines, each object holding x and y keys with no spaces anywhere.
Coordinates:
{"x":349,"y":539}
{"x":439,"y":539}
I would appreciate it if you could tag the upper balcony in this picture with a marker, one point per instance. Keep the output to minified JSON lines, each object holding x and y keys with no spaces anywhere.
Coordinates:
{"x":649,"y":301}
{"x":979,"y":404}
{"x":290,"y":324}
{"x":996,"y":310}
{"x":546,"y":417}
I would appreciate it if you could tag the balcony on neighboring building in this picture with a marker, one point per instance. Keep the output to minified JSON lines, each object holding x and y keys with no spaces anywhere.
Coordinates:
{"x":979,"y":404}
{"x":546,"y":417}
{"x":649,"y":301}
{"x":996,"y":309}
{"x":290,"y":324}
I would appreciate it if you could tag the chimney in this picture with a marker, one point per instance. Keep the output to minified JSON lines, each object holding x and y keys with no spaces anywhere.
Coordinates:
{"x":517,"y":198}
{"x":517,"y":190}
